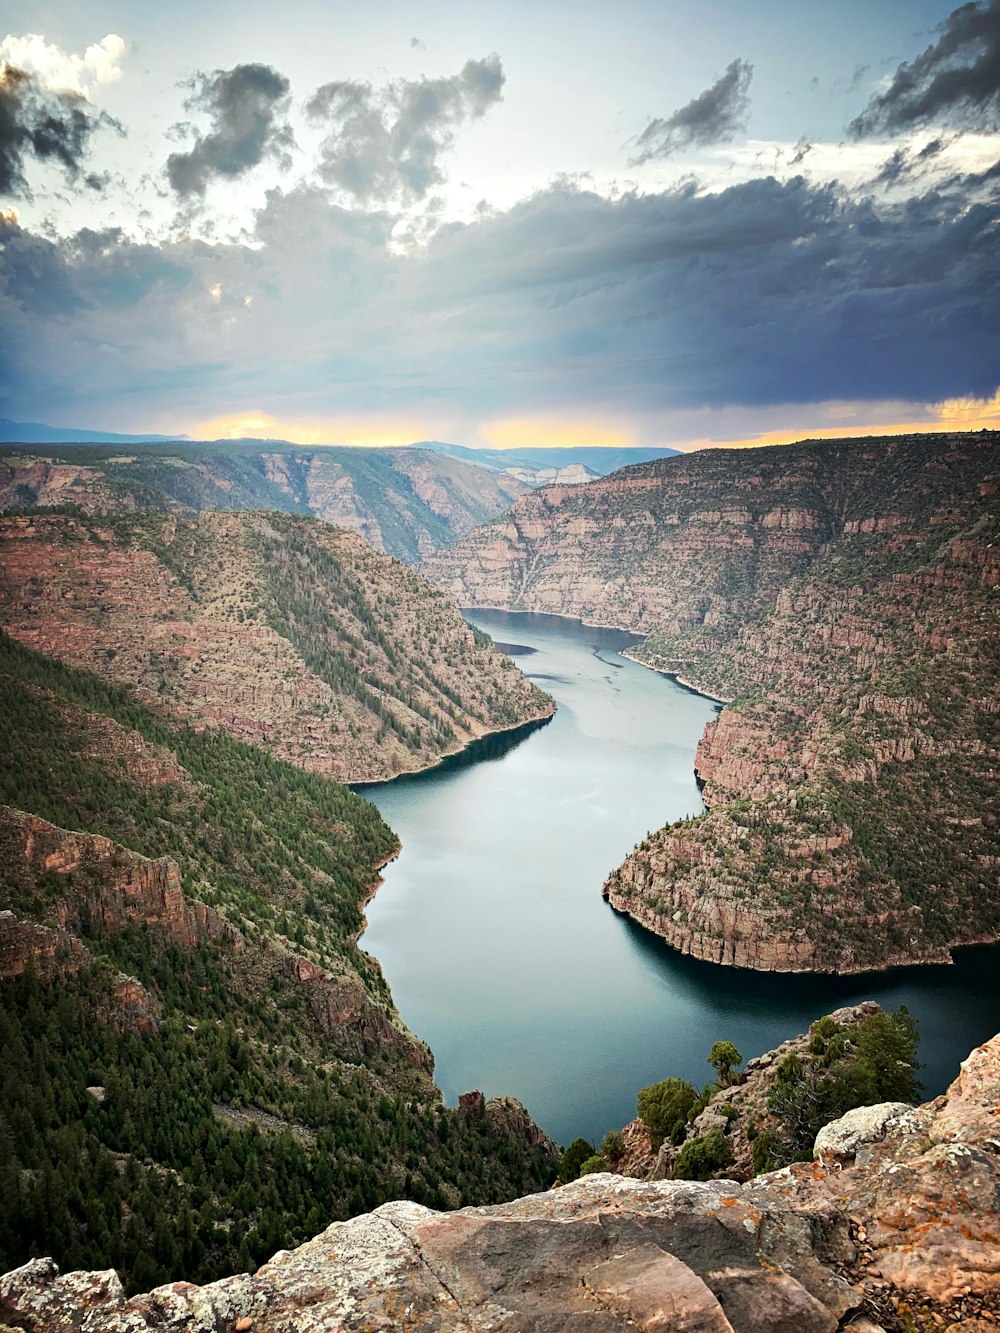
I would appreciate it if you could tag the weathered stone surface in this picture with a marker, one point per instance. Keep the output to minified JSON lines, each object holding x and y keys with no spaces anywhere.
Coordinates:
{"x":904,"y":1238}
{"x":841,"y":1140}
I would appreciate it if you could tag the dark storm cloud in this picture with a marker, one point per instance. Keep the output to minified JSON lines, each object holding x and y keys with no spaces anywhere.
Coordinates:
{"x":714,"y":116}
{"x":245,"y":105}
{"x":49,"y":126}
{"x":766,"y":292}
{"x":957,"y":79}
{"x":384,"y":143}
{"x":903,"y":164}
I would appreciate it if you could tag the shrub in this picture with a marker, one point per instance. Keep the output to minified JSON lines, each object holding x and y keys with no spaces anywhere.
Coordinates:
{"x":724,"y":1058}
{"x":613,"y":1144}
{"x":702,"y":1158}
{"x":592,"y":1164}
{"x":578,"y":1152}
{"x":663,"y":1108}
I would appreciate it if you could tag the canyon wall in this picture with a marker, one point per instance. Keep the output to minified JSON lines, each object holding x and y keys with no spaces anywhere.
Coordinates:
{"x":286,"y":633}
{"x":841,"y":597}
{"x":406,"y":502}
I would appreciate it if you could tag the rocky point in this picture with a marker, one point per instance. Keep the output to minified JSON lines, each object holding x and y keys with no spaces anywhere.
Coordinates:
{"x":894,"y":1230}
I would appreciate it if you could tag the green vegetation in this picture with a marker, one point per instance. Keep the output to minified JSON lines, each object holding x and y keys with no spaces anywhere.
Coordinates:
{"x":664,"y":1108}
{"x":872,"y":1060}
{"x":876,"y":1061}
{"x":593,"y":1164}
{"x":702,"y":1158}
{"x":157,"y":1179}
{"x":724,"y":1058}
{"x":578,"y":1152}
{"x":613,"y":1144}
{"x":150,"y":1181}
{"x":288,"y":851}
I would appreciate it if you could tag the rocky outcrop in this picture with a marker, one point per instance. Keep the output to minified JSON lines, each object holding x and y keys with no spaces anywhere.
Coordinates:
{"x":47,"y":952}
{"x":506,"y":1116}
{"x":285,"y":633}
{"x":26,"y":481}
{"x":840,"y":598}
{"x":103,"y":884}
{"x":740,"y":1108}
{"x":51,"y":954}
{"x":900,"y":1237}
{"x":97,"y":883}
{"x":343,"y":1010}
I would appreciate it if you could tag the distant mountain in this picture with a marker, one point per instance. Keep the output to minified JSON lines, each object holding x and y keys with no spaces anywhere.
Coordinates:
{"x":408,"y":502}
{"x":542,"y":466}
{"x":37,"y":432}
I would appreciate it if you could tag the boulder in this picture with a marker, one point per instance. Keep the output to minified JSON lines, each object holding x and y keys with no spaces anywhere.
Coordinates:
{"x":841,"y":1140}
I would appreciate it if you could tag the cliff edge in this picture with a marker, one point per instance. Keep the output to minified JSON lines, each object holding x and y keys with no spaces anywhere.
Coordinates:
{"x":892,"y":1227}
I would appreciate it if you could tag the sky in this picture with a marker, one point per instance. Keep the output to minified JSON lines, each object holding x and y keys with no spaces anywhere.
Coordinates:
{"x":648,"y":222}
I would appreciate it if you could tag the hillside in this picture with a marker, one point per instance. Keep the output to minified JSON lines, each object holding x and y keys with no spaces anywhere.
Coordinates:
{"x":841,"y":596}
{"x":407,"y":502}
{"x":891,"y":1229}
{"x":283,"y":631}
{"x":199,"y":1063}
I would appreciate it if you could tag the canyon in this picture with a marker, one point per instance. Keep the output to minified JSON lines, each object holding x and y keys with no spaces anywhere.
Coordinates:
{"x":840,"y":599}
{"x":283,"y":631}
{"x":183,"y":1001}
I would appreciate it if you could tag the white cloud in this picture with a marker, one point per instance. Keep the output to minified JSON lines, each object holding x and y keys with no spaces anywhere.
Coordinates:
{"x":62,"y":71}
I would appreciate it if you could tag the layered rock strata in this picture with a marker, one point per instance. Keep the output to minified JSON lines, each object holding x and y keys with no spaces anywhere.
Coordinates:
{"x":284,"y":632}
{"x":841,"y":598}
{"x":898,"y":1234}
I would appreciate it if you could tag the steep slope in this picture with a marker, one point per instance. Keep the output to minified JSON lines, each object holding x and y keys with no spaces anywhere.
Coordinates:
{"x":199,"y":1063}
{"x":896,"y":1232}
{"x":285,"y":632}
{"x":842,"y":597}
{"x":407,"y":502}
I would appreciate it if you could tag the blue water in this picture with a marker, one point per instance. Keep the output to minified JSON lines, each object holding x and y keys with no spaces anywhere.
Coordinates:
{"x":500,"y":951}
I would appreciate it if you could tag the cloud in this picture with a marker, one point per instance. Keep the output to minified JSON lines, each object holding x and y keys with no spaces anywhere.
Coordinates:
{"x":385,"y":143}
{"x":49,"y":126}
{"x":246,"y":106}
{"x":714,"y":116}
{"x":765,"y":292}
{"x":61,"y":71}
{"x":956,"y":80}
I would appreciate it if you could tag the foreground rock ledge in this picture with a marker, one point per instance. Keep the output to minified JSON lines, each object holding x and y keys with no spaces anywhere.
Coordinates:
{"x":893,"y":1226}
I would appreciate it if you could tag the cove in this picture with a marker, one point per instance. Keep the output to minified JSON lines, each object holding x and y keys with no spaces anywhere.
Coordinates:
{"x":500,"y":951}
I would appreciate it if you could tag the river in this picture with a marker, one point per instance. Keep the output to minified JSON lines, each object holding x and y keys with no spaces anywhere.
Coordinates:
{"x":500,"y":951}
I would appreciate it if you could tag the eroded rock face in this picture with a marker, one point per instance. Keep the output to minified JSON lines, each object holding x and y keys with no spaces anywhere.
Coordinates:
{"x":903,"y":1237}
{"x":284,"y":632}
{"x":95,"y":879}
{"x":104,"y":882}
{"x":840,"y":597}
